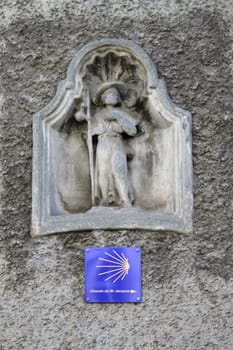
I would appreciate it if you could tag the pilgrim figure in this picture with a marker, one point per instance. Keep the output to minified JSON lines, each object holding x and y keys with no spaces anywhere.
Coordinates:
{"x":110,"y":124}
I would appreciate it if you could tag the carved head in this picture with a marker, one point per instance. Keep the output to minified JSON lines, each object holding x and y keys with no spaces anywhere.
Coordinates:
{"x":111,"y":97}
{"x":110,"y":93}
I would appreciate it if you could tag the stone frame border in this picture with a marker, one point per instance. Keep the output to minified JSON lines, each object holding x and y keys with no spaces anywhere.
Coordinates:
{"x":107,"y":218}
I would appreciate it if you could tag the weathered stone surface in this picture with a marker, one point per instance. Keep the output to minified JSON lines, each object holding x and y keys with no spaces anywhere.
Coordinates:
{"x":187,"y":280}
{"x":125,"y":162}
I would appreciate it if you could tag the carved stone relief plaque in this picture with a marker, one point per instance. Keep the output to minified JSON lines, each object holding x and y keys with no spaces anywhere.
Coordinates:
{"x":111,"y":151}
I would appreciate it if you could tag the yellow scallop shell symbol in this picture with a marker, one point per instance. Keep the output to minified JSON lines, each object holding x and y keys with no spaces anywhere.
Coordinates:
{"x":115,"y":266}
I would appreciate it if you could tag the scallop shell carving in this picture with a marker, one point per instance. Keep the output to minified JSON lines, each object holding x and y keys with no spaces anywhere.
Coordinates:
{"x":115,"y":67}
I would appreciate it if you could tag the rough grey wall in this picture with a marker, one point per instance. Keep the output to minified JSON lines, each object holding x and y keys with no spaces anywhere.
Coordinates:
{"x":187,"y":280}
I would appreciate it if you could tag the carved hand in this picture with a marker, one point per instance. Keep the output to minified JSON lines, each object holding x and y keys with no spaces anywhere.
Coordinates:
{"x":80,"y":116}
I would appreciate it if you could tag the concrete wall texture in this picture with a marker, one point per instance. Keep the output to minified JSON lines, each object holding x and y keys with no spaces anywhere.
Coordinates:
{"x":187,"y":280}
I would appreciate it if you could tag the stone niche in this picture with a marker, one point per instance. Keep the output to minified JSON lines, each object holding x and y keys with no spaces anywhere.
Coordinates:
{"x":111,"y":150}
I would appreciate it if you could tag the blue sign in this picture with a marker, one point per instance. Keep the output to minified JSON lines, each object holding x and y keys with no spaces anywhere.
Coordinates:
{"x":113,"y":275}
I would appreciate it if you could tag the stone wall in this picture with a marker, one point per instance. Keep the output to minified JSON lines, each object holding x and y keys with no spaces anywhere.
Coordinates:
{"x":187,"y":280}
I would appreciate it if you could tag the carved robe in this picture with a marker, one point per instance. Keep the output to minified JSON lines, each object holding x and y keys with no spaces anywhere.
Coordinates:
{"x":111,"y":174}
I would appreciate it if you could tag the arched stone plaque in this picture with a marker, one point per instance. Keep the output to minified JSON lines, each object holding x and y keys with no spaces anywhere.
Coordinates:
{"x":111,"y":151}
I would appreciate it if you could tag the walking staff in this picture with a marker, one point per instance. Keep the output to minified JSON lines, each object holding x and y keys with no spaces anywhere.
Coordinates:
{"x":90,"y":148}
{"x":84,"y":113}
